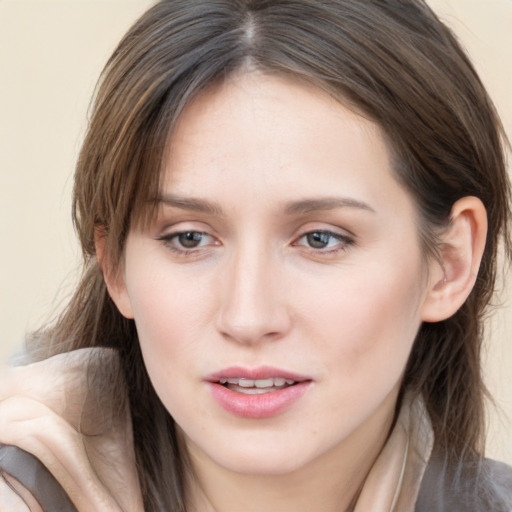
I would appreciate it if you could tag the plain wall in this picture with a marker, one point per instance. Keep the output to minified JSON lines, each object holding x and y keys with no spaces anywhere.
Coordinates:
{"x":51,"y":53}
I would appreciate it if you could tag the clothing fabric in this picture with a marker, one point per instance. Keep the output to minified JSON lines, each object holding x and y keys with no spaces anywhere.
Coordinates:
{"x":408,"y":476}
{"x":34,"y":476}
{"x":469,"y":487}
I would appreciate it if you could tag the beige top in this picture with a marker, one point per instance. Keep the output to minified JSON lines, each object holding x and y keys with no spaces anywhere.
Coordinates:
{"x":97,"y":468}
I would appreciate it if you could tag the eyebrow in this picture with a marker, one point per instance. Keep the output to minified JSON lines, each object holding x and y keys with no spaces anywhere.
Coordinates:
{"x":292,"y":208}
{"x":190,"y":204}
{"x":325,"y":203}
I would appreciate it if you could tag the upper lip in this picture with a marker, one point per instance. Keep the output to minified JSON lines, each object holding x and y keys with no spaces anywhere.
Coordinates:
{"x":261,"y":372}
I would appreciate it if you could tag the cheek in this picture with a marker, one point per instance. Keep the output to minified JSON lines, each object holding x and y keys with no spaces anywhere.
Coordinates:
{"x":164,"y":315}
{"x":367,"y":326}
{"x":173,"y":313}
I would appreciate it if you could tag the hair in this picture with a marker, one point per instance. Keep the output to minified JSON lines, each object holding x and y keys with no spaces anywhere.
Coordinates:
{"x":392,"y":61}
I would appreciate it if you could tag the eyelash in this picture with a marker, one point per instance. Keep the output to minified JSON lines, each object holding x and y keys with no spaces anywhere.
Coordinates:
{"x":171,"y":242}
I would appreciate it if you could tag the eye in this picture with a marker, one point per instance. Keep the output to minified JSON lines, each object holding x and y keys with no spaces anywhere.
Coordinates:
{"x":187,"y":240}
{"x":190,"y":239}
{"x":324,"y":240}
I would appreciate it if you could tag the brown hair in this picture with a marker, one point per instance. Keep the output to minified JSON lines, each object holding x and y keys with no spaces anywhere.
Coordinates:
{"x":392,"y":61}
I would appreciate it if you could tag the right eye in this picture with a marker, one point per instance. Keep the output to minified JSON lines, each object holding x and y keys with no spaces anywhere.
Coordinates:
{"x":190,"y":239}
{"x":186,"y":241}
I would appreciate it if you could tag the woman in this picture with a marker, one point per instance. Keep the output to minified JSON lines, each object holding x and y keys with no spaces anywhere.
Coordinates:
{"x":290,"y":213}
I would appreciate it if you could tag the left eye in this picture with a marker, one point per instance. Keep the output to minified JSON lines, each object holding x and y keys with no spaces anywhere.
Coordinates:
{"x":323,"y":240}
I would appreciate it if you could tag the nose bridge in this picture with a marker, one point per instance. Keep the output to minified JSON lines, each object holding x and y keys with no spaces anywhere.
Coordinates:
{"x":251,"y":306}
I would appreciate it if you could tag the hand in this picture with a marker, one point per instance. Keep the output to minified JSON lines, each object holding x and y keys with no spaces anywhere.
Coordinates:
{"x":55,"y":411}
{"x":36,"y":429}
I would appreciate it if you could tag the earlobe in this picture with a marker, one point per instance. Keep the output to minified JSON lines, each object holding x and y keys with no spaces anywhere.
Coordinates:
{"x":453,"y":275}
{"x":113,"y":277}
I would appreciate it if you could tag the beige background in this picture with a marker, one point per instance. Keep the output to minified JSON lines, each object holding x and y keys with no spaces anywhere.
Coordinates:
{"x":51,"y":52}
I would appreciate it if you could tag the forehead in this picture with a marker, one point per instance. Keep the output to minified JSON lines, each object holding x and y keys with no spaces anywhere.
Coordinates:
{"x":279,"y":138}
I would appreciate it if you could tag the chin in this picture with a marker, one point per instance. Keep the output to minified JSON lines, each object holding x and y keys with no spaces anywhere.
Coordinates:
{"x":260,"y":453}
{"x":276,"y":463}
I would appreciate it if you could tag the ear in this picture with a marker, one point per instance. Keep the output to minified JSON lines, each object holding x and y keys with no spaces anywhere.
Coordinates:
{"x":114,"y":278}
{"x":453,"y":275}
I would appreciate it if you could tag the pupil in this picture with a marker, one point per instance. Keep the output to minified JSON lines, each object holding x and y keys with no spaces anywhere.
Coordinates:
{"x":318,"y":240}
{"x":190,"y":239}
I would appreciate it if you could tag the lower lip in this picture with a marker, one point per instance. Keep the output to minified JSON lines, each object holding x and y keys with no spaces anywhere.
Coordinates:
{"x":260,"y":406}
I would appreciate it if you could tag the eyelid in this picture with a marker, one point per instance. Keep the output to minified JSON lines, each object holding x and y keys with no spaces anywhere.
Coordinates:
{"x":325,"y":227}
{"x":171,"y":226}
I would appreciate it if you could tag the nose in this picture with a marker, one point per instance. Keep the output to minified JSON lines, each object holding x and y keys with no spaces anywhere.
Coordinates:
{"x":253,"y":307}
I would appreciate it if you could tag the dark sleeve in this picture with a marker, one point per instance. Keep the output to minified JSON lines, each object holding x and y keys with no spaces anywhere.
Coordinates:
{"x":34,"y":476}
{"x":478,"y":486}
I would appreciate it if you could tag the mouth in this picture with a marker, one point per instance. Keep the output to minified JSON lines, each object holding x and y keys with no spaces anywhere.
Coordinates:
{"x":257,"y":393}
{"x":256,"y":386}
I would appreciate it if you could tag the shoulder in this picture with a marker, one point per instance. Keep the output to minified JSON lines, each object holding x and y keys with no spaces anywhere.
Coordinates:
{"x":471,"y":486}
{"x":500,"y":476}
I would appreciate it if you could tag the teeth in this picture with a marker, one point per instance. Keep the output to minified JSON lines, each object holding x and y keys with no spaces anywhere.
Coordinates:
{"x":264,"y":383}
{"x":259,"y":383}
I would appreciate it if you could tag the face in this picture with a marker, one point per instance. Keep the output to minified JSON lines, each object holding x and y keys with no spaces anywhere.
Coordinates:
{"x":278,"y":292}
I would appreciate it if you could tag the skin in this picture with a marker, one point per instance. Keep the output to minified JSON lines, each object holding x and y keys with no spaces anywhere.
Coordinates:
{"x":254,"y":291}
{"x":22,"y":499}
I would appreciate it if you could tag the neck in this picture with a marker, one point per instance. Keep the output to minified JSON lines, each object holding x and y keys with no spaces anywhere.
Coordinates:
{"x":330,"y":483}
